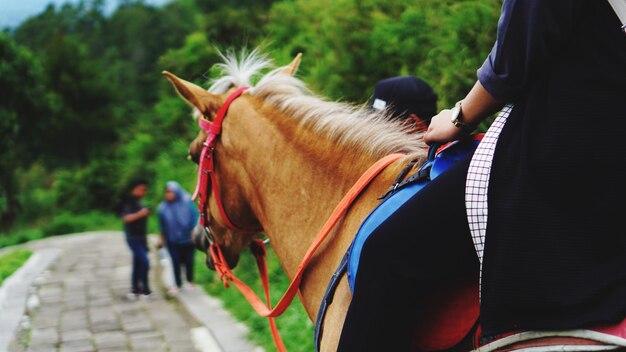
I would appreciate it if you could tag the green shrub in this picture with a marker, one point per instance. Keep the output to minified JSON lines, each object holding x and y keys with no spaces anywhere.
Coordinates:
{"x":19,"y":237}
{"x":66,"y":223}
{"x":91,"y":187}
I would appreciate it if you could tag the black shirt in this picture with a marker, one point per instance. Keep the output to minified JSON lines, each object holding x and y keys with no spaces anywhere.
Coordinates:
{"x":137,"y":228}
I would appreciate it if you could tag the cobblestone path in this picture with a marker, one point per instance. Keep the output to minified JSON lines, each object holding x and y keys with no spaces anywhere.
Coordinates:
{"x":80,"y":303}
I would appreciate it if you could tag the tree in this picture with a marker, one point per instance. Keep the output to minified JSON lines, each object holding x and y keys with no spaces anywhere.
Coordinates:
{"x":351,"y":44}
{"x":23,"y":101}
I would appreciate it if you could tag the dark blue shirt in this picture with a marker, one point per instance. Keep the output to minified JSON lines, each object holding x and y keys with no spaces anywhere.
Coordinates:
{"x":530,"y":33}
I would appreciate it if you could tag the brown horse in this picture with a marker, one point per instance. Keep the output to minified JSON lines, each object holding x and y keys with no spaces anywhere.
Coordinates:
{"x":285,"y":158}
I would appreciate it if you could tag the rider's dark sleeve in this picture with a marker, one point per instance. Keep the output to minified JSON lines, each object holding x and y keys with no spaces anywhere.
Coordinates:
{"x":530,"y":36}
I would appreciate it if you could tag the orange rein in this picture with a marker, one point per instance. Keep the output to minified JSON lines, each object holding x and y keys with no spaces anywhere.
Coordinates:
{"x":258,"y":248}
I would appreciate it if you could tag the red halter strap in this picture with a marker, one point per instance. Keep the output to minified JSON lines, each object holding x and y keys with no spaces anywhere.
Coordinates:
{"x":206,"y":168}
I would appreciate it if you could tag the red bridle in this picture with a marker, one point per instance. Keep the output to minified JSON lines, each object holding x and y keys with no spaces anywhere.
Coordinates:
{"x":206,"y":173}
{"x":206,"y":168}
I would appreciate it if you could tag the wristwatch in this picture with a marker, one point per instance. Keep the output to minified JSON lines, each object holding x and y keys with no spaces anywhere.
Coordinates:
{"x":457,"y":116}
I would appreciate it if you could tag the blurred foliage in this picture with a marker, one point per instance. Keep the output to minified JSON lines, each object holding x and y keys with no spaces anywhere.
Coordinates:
{"x":60,"y":224}
{"x":83,"y":97}
{"x":84,"y":108}
{"x":67,"y":222}
{"x":24,"y":99}
{"x":348,"y":45}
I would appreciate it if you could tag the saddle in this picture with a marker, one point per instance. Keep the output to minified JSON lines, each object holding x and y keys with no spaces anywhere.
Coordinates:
{"x":439,"y":160}
{"x":608,"y":337}
{"x":456,"y":308}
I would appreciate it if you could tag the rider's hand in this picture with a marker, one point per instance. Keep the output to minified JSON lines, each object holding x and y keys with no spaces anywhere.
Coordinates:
{"x":442,"y":130}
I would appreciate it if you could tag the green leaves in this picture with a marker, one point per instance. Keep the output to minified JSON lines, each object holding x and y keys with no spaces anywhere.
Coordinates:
{"x":23,"y":99}
{"x":350,"y":44}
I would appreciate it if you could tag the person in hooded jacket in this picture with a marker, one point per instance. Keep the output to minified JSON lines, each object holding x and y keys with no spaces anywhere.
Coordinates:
{"x":177,"y":218}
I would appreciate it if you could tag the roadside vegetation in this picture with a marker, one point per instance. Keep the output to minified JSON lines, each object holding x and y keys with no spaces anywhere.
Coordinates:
{"x":294,"y":325}
{"x":11,"y":261}
{"x":60,"y":224}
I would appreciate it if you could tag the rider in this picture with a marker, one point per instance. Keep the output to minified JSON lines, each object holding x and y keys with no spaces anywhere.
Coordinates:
{"x":408,"y":97}
{"x":552,"y":236}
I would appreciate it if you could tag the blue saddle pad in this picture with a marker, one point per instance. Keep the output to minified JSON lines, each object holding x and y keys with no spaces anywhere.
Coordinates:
{"x":441,"y":161}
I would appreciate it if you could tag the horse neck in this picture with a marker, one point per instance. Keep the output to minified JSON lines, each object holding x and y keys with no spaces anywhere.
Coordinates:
{"x":295,"y":179}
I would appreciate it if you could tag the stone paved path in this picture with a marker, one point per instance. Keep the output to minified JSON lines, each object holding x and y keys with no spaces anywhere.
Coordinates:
{"x":79,"y":304}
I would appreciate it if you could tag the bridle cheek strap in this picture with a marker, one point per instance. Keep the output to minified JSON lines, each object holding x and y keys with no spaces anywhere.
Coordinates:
{"x":206,"y":168}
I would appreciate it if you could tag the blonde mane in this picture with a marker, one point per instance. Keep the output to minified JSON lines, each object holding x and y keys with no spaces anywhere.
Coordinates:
{"x":350,"y":125}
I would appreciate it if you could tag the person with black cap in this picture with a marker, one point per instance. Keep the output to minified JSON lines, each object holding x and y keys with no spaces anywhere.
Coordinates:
{"x":406,"y":97}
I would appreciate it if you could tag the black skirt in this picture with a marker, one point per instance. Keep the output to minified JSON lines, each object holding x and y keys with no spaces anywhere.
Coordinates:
{"x":555,"y":251}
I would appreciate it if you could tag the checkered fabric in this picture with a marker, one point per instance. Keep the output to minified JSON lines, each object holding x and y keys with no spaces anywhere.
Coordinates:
{"x":477,"y":183}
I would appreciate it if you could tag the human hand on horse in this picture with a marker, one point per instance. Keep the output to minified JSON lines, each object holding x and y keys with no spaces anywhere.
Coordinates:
{"x":441,"y":130}
{"x":458,"y":122}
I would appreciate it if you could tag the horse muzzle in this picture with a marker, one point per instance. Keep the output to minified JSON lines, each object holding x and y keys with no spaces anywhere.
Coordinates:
{"x":231,"y":261}
{"x":202,"y":239}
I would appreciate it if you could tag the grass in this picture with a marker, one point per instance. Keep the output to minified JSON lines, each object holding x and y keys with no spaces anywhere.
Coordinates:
{"x":61,"y":224}
{"x":294,"y":325}
{"x":11,"y":261}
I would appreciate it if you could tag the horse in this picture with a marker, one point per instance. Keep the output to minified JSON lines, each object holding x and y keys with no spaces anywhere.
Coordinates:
{"x":288,"y":156}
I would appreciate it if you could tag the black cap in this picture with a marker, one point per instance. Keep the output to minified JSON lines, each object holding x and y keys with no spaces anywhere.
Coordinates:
{"x":405,"y":95}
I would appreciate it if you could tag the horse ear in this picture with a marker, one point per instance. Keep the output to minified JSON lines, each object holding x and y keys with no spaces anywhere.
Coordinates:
{"x":292,"y":68}
{"x":195,"y":95}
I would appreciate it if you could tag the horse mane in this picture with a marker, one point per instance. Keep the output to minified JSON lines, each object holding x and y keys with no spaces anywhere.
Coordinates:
{"x":350,"y":125}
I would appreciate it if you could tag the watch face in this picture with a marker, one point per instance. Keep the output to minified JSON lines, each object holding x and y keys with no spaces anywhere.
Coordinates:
{"x":456,"y":111}
{"x":455,"y":115}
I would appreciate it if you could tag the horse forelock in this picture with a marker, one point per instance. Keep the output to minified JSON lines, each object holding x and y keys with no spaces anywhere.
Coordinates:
{"x":350,"y":125}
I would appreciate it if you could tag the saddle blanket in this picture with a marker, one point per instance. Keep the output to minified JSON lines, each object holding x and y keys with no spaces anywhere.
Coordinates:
{"x":442,"y":158}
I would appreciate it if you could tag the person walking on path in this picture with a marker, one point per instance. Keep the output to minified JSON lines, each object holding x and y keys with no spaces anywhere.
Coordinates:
{"x":177,"y":217}
{"x":135,"y":217}
{"x":518,"y":216}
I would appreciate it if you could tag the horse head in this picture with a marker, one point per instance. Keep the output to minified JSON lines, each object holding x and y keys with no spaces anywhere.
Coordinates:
{"x":228,"y":218}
